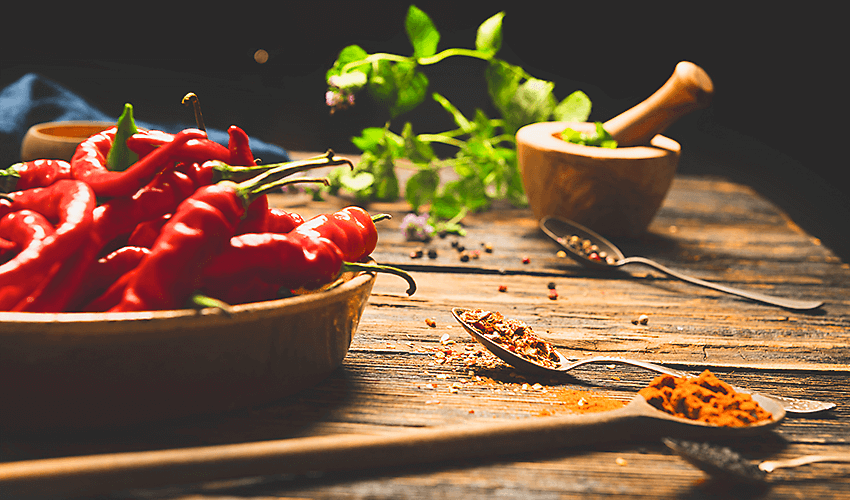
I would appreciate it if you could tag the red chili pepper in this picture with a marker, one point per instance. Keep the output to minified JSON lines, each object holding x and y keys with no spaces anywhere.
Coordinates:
{"x":106,"y":271}
{"x":200,"y":228}
{"x":196,"y":150}
{"x":31,"y":174}
{"x":351,"y":228}
{"x":20,"y":229}
{"x":119,"y":217}
{"x":274,"y":261}
{"x":281,"y":221}
{"x":147,"y":232}
{"x":241,"y":155}
{"x":91,"y":168}
{"x":284,"y":260}
{"x":71,"y":204}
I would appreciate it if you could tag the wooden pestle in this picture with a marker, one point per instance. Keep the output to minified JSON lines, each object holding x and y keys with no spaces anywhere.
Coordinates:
{"x":688,"y":89}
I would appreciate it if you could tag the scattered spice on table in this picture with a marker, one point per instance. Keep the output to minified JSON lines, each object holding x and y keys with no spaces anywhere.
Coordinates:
{"x":704,"y":398}
{"x":514,"y":335}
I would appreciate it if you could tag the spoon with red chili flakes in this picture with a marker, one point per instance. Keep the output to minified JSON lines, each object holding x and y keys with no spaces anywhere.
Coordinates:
{"x":515,"y":343}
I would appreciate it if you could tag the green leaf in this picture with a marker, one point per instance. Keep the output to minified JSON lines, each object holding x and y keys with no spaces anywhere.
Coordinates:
{"x":574,"y":108}
{"x":422,"y":187}
{"x":357,"y":182}
{"x":350,"y":54}
{"x":369,"y":138}
{"x":120,"y":157}
{"x":503,"y":79}
{"x":488,"y":39}
{"x":351,"y":81}
{"x":412,"y":86}
{"x":417,"y":151}
{"x":386,"y":186}
{"x":382,"y":83}
{"x":532,"y":102}
{"x":421,"y":32}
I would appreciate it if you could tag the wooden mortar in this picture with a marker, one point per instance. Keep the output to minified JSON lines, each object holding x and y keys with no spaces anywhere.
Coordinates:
{"x":615,"y":192}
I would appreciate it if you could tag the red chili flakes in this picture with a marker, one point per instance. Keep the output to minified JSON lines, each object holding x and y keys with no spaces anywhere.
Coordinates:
{"x":553,"y":294}
{"x":430,"y":322}
{"x":503,"y":288}
{"x":514,"y":335}
{"x":526,"y":260}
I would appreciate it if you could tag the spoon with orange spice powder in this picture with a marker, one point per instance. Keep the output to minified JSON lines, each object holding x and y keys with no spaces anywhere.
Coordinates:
{"x":517,"y":345}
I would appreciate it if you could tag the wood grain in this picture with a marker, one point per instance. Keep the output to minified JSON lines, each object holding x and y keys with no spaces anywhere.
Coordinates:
{"x":403,"y":374}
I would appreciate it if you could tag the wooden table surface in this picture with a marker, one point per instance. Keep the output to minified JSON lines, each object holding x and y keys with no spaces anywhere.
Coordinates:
{"x":408,"y":365}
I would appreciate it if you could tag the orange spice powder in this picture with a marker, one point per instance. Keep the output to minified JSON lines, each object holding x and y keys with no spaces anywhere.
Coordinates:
{"x":704,"y":398}
{"x":585,"y":401}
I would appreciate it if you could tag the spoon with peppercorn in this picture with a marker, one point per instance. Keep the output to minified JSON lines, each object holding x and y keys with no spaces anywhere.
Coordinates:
{"x":592,"y":250}
{"x":723,"y":463}
{"x":515,"y":343}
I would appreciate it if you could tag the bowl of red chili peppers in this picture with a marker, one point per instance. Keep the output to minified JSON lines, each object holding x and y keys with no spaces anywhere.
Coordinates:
{"x":148,"y":278}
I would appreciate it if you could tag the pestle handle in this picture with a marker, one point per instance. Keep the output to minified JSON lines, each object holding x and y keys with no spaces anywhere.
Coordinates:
{"x":688,"y":89}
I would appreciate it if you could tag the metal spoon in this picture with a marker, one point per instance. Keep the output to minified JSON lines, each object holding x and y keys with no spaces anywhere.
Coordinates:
{"x":561,"y":230}
{"x":723,"y":463}
{"x":790,"y":405}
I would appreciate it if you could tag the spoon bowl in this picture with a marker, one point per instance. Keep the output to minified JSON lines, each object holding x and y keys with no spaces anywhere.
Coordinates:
{"x":724,"y":464}
{"x":564,"y":365}
{"x":606,"y":255}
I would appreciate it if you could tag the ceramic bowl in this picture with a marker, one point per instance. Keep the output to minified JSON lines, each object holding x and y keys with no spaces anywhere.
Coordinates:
{"x":615,"y":192}
{"x":58,"y":140}
{"x":90,"y":370}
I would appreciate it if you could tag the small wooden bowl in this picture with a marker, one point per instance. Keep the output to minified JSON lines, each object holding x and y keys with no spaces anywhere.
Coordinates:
{"x":615,"y":192}
{"x":58,"y":140}
{"x":71,"y":371}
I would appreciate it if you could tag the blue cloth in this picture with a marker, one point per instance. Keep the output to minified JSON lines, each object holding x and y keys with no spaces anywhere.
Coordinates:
{"x":34,"y":99}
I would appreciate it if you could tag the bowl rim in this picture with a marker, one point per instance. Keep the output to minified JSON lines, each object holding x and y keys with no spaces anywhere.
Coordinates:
{"x":237,"y":313}
{"x":542,"y":136}
{"x":38,"y":130}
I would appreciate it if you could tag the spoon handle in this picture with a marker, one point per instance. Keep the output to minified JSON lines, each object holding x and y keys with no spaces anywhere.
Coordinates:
{"x":99,"y":474}
{"x":800,"y":305}
{"x":771,"y":465}
{"x":689,"y":88}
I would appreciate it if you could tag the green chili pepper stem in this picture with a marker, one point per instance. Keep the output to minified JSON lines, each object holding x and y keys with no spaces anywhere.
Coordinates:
{"x":249,"y":191}
{"x":358,"y":266}
{"x":120,"y":157}
{"x":9,"y":178}
{"x":380,"y":217}
{"x":223,"y":171}
{"x":201,"y":301}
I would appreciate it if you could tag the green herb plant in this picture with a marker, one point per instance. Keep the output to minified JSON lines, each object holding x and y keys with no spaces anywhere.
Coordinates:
{"x":485,"y":163}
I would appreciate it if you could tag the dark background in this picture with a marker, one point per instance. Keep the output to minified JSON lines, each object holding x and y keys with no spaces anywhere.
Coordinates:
{"x":775,"y":122}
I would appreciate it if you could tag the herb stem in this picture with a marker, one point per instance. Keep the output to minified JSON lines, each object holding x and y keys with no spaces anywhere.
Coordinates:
{"x":443,"y":139}
{"x":424,"y":61}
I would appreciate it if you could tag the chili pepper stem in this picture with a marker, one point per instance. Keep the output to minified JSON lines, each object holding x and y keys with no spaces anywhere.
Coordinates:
{"x":191,"y":98}
{"x":201,"y":301}
{"x":369,"y":268}
{"x":252,"y":194}
{"x":223,"y":171}
{"x":380,"y":217}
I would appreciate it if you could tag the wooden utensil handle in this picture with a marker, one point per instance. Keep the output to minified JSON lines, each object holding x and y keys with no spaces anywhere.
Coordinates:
{"x":688,"y":89}
{"x":98,"y":474}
